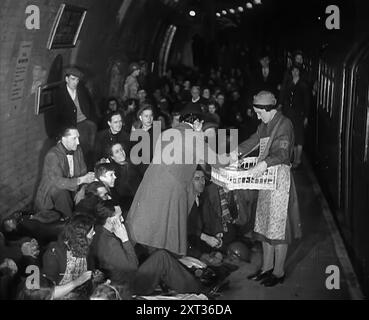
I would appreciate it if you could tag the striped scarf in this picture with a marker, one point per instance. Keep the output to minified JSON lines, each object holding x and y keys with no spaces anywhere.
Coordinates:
{"x":229,"y":208}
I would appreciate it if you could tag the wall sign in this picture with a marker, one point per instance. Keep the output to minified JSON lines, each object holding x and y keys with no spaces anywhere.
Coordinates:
{"x":66,"y":27}
{"x":45,"y":97}
{"x":20,"y":74}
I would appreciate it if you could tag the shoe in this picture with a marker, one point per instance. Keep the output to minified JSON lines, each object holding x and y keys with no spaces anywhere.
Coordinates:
{"x":260,"y":275}
{"x":272,"y":280}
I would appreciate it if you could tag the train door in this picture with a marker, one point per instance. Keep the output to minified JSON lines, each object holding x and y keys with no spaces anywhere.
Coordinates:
{"x":359,"y":167}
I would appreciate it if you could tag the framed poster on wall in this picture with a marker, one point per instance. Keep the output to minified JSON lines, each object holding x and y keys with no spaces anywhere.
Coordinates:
{"x":45,"y":97}
{"x":67,"y":26}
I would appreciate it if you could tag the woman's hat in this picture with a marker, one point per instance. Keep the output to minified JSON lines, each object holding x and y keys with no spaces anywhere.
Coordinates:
{"x":133,"y":67}
{"x":264,"y":98}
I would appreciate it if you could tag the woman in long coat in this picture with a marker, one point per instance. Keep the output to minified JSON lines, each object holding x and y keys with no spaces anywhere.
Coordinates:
{"x":158,"y":215}
{"x":277,"y":216}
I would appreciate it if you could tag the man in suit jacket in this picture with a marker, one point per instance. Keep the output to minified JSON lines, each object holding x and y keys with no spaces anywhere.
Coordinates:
{"x":198,"y":240}
{"x":63,"y":172}
{"x":219,"y":217}
{"x":75,"y":107}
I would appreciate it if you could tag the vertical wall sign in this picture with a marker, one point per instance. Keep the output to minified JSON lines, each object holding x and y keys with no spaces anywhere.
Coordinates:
{"x":20,"y":74}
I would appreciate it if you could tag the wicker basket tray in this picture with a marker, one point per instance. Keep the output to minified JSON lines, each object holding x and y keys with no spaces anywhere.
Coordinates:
{"x":238,"y":178}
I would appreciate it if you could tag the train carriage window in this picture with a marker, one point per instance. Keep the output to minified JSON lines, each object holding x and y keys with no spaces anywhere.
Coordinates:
{"x":319,"y":83}
{"x":332,"y":92}
{"x":326,"y":84}
{"x":325,"y":87}
{"x":318,"y":89}
{"x":322,"y":86}
{"x":320,"y":79}
{"x":329,"y":93}
{"x":367,"y":128}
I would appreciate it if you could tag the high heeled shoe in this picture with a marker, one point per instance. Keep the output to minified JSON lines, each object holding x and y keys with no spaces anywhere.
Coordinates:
{"x":260,"y":275}
{"x":272,"y":280}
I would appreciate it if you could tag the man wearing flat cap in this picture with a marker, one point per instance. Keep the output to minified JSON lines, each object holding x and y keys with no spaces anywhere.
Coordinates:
{"x":75,"y":107}
{"x":131,"y":85}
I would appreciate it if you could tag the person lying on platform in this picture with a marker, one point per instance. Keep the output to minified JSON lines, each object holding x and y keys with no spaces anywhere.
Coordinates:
{"x":8,"y":270}
{"x":23,"y":250}
{"x":111,"y":251}
{"x":21,"y":224}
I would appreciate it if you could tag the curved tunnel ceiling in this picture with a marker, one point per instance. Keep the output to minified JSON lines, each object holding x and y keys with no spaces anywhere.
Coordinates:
{"x":283,"y":23}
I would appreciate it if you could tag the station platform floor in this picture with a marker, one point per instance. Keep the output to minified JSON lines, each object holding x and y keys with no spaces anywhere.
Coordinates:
{"x":307,"y":259}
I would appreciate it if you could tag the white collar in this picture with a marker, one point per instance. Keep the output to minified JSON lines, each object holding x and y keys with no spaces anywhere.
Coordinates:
{"x":72,"y":93}
{"x":194,"y":101}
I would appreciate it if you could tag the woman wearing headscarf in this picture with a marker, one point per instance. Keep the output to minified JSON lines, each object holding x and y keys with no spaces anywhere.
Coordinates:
{"x":277,"y":216}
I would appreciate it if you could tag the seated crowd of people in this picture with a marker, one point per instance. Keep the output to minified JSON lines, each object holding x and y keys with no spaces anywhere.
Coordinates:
{"x":75,"y":234}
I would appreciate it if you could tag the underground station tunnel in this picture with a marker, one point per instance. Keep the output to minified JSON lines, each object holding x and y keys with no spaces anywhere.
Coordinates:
{"x":184,"y":150}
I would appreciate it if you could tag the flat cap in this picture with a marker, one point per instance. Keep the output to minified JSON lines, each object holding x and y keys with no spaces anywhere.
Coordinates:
{"x":74,"y":72}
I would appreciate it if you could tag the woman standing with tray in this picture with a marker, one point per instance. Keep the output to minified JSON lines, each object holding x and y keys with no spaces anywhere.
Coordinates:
{"x":277,"y":219}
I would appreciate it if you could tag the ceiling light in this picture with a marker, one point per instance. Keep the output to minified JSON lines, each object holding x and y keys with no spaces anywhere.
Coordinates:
{"x":240,"y":9}
{"x":192,"y":13}
{"x":218,"y":14}
{"x":249,"y":5}
{"x":224,"y":12}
